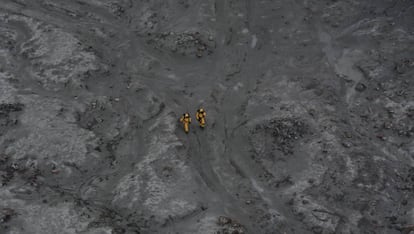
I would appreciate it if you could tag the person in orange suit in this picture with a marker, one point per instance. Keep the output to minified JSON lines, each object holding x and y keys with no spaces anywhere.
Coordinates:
{"x":186,"y":120}
{"x":201,"y":117}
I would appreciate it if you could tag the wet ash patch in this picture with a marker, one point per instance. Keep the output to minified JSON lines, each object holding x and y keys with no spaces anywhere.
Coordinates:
{"x":7,"y":108}
{"x":8,"y":115}
{"x":6,"y":170}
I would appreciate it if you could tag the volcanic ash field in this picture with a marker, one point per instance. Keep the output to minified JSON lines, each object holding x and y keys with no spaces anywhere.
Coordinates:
{"x":310,"y":116}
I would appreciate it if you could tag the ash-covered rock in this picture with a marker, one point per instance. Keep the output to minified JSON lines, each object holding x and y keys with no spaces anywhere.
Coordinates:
{"x":227,"y":225}
{"x":318,"y":218}
{"x":284,"y":132}
{"x":183,"y":43}
{"x":404,"y":66}
{"x":375,"y":70}
{"x":360,"y":87}
{"x":6,"y":214}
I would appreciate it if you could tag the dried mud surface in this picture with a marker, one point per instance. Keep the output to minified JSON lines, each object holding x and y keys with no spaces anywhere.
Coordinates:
{"x":310,"y":116}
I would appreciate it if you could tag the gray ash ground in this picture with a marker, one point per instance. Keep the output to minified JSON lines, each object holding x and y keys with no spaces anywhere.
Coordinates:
{"x":310,"y":116}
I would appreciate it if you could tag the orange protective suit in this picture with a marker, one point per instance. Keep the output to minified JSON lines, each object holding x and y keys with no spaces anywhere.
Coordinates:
{"x":201,"y":117}
{"x":186,"y":120}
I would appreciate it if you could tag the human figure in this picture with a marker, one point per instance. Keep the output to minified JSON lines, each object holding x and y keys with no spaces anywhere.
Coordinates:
{"x":186,"y":120}
{"x":201,"y":117}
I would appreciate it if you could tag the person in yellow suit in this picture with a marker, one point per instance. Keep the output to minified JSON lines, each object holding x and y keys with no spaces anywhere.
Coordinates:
{"x":201,"y":117}
{"x":186,"y":120}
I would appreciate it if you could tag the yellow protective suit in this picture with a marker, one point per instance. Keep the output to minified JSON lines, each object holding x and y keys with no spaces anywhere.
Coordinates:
{"x":201,"y":117}
{"x":186,"y":120}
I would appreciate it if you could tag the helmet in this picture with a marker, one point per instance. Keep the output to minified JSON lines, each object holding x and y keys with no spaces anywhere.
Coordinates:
{"x":186,"y":115}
